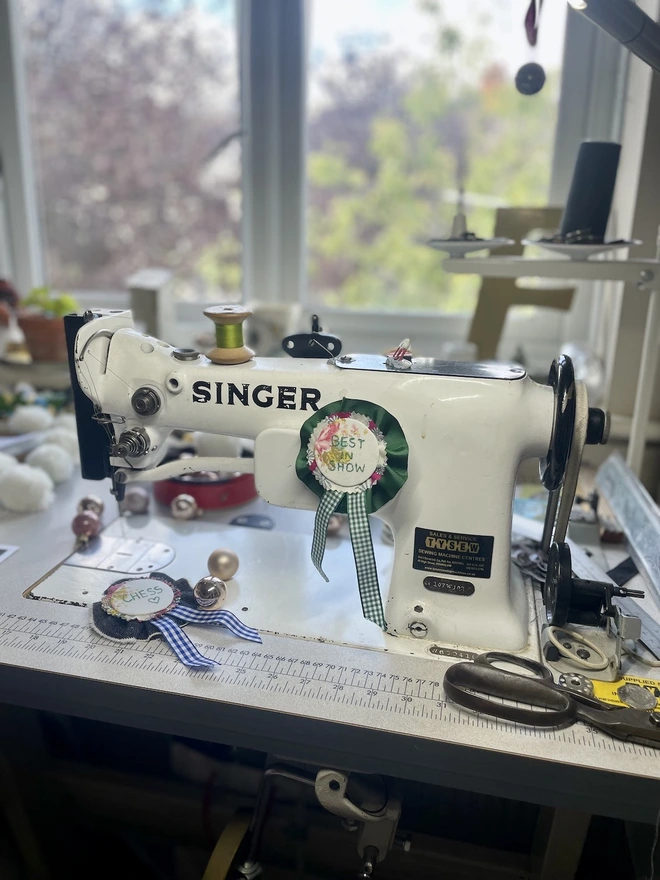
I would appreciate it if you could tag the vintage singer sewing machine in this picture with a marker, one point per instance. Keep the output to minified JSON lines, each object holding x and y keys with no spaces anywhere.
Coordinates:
{"x":464,"y":427}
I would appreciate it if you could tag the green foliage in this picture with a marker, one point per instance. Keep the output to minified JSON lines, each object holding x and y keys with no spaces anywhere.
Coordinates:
{"x":219,"y":264}
{"x":442,"y":128}
{"x":55,"y":305}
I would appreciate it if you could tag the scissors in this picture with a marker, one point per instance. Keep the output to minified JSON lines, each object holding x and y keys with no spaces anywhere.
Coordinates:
{"x":471,"y":684}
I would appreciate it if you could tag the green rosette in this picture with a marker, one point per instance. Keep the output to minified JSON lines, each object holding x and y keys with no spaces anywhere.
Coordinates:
{"x":396,"y":470}
{"x":354,"y":457}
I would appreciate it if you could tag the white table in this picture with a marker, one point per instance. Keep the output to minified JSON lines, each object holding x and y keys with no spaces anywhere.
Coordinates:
{"x":422,"y":738}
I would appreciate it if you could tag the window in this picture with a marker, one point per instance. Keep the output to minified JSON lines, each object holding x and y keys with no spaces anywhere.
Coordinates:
{"x":408,"y":103}
{"x":312,"y":177}
{"x":134,"y":111}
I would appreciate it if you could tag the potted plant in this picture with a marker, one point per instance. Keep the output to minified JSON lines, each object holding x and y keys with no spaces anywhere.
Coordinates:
{"x":40,"y":317}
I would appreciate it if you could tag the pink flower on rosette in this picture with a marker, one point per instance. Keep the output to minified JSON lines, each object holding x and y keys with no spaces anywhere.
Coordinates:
{"x":375,"y":477}
{"x":324,"y":440}
{"x":343,"y":415}
{"x":312,"y":465}
{"x":372,"y":425}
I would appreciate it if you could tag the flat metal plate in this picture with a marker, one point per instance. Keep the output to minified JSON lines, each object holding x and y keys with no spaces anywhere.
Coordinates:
{"x":433,"y":367}
{"x":123,"y":553}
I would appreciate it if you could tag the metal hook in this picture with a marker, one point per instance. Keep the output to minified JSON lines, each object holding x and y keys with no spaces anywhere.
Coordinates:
{"x":108,"y":334}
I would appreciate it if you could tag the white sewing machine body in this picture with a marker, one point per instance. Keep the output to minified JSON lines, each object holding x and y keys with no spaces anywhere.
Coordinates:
{"x":466,"y":436}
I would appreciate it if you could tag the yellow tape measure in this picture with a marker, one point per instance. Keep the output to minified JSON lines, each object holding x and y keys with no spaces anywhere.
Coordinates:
{"x":626,"y":692}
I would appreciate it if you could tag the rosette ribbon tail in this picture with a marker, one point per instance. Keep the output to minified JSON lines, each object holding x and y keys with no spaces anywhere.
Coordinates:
{"x":327,"y":505}
{"x":354,"y":457}
{"x":179,"y":642}
{"x":365,"y":562}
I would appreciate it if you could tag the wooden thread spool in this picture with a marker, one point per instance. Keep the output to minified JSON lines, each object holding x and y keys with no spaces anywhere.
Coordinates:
{"x":230,"y":347}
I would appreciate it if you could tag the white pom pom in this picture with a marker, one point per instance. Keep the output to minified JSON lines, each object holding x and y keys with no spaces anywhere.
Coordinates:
{"x":66,"y":439}
{"x":7,"y":462}
{"x":66,"y":420}
{"x":217,"y":445}
{"x":26,"y":391}
{"x":26,"y":489}
{"x":29,"y":418}
{"x":52,"y":459}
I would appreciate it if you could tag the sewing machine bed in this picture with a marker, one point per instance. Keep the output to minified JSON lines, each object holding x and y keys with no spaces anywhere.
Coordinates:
{"x":277,"y":589}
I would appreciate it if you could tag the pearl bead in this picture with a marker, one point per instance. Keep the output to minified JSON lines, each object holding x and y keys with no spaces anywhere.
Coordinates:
{"x":210,"y":591}
{"x":136,"y":500}
{"x":223,"y":564}
{"x":184,"y":507}
{"x":93,"y":503}
{"x":86,"y":525}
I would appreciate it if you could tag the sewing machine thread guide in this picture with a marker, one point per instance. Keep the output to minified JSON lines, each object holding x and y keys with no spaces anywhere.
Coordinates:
{"x":294,"y":673}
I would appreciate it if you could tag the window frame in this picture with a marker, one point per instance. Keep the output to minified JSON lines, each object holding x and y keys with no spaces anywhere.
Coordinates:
{"x":22,"y":250}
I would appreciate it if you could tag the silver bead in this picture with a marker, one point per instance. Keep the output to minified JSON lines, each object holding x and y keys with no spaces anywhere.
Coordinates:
{"x":93,"y":503}
{"x":223,"y":564}
{"x":184,"y":507}
{"x":136,"y":500}
{"x":210,"y":591}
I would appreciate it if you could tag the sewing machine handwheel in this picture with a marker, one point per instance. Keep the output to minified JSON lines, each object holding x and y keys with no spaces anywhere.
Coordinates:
{"x":562,"y":379}
{"x":558,"y":585}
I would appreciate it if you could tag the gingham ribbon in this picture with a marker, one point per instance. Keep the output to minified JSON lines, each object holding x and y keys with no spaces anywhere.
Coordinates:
{"x":365,"y":562}
{"x":363,"y":551}
{"x":219,"y":618}
{"x":389,"y":473}
{"x":184,"y":649}
{"x":327,"y":506}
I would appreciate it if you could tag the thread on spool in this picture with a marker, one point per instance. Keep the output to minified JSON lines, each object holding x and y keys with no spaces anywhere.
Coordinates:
{"x":229,"y":335}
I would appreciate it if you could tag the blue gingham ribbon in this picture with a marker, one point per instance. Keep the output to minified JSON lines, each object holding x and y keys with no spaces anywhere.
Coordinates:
{"x":184,"y":649}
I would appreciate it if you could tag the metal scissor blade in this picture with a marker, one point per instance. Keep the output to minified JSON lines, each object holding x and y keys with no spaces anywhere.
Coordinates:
{"x":636,"y":725}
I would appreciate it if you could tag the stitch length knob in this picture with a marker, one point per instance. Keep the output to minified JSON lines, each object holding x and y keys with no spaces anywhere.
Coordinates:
{"x":230,"y":347}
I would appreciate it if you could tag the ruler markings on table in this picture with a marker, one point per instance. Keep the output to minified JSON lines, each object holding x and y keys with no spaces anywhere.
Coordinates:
{"x":283,"y":673}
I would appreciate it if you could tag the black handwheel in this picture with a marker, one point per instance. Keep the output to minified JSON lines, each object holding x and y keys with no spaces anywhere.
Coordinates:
{"x":562,"y":379}
{"x":558,"y":585}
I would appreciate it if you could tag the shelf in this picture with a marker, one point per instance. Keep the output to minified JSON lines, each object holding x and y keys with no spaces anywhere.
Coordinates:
{"x":589,"y":270}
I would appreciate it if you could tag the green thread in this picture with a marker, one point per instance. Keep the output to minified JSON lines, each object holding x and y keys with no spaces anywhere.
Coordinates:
{"x":229,"y":335}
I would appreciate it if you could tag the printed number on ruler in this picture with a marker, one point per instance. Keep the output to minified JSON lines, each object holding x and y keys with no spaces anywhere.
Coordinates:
{"x":288,"y":675}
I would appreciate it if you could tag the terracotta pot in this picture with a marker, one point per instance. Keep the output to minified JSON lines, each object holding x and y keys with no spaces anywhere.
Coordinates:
{"x":44,"y":336}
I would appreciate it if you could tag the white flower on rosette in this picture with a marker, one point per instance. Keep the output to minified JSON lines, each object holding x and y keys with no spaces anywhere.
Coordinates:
{"x":321,"y":443}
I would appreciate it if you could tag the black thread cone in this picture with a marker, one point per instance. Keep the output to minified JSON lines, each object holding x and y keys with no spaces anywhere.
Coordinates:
{"x":592,"y":188}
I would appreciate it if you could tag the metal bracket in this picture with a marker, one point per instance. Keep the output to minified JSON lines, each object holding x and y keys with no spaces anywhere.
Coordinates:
{"x":379,"y":808}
